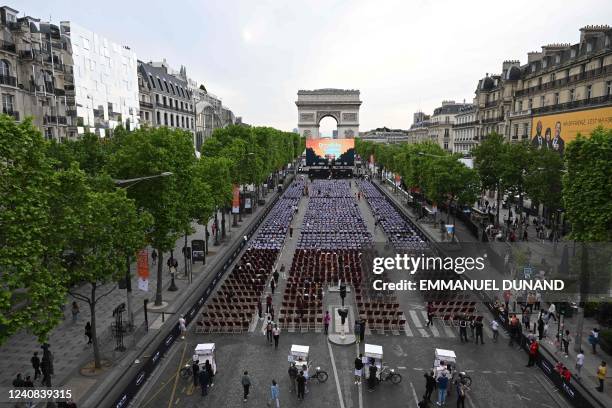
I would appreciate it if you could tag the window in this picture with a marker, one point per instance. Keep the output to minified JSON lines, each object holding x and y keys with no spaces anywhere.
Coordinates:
{"x":7,"y":103}
{"x":164,"y":99}
{"x":157,"y":99}
{"x":553,"y":76}
{"x":161,"y":88}
{"x":557,"y":59}
{"x":181,"y":105}
{"x":542,"y":100}
{"x":520,"y":106}
{"x":515,"y":131}
{"x":158,"y":118}
{"x":152,"y":81}
{"x":170,"y":102}
{"x":608,"y":88}
{"x":146,"y":116}
{"x":544,"y":63}
{"x":589,"y":46}
{"x":529,"y":103}
{"x":556,"y":98}
{"x":192,"y":123}
{"x":525,"y":129}
{"x":172,"y":87}
{"x":166,"y":118}
{"x":5,"y":68}
{"x":166,"y":85}
{"x":588,"y":91}
{"x":182,"y":121}
{"x":573,"y":53}
{"x":572,"y":95}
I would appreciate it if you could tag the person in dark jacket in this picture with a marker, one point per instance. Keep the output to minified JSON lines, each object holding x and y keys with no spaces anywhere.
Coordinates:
{"x":203,"y":379}
{"x":301,"y":385}
{"x":372,"y":376}
{"x":362,"y":327}
{"x":195,"y":368}
{"x":36,"y":365}
{"x":209,"y":371}
{"x":430,"y":385}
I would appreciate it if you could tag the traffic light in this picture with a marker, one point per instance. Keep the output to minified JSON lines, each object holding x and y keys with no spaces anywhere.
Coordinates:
{"x":342,"y":292}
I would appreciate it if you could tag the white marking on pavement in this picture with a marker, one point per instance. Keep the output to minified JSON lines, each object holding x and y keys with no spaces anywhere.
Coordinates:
{"x":433,"y":328}
{"x":414,"y":393}
{"x":486,"y":372}
{"x":415,"y":318}
{"x":331,"y":355}
{"x":469,"y":400}
{"x":407,"y":329}
{"x":448,"y":331}
{"x":417,"y":368}
{"x":423,"y":332}
{"x":401,"y":367}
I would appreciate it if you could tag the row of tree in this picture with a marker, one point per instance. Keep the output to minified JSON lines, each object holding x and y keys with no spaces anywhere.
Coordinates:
{"x":579,"y":182}
{"x":69,"y":214}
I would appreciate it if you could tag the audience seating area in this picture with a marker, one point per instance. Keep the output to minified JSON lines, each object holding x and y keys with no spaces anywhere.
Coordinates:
{"x":233,"y":305}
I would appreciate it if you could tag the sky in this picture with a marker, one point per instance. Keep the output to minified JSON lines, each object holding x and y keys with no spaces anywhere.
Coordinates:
{"x":404,"y":55}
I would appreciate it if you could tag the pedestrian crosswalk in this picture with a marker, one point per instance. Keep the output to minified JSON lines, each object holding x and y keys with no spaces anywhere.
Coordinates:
{"x":416,"y":326}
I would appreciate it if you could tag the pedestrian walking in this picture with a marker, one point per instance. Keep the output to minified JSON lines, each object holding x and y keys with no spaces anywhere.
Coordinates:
{"x":195,"y":369}
{"x":154,"y":257}
{"x":182,"y":327}
{"x":495,"y":330}
{"x":75,"y":311}
{"x":301,"y":385}
{"x":268,"y":303}
{"x":430,"y":313}
{"x":533,"y":353}
{"x":276,"y":336}
{"x":275,"y":275}
{"x":461,"y":392}
{"x":357,"y":329}
{"x":478,"y":329}
{"x":210,"y":373}
{"x":430,"y":385}
{"x":372,"y":375}
{"x":358,"y":369}
{"x":36,"y":365}
{"x":463,"y":329}
{"x":552,"y":310}
{"x":326,"y":320}
{"x":274,"y":395}
{"x":269,"y":331}
{"x":259,"y":309}
{"x":246,"y":384}
{"x":602,"y":370}
{"x":442,"y":387}
{"x":88,"y":332}
{"x":579,"y":363}
{"x":293,"y":374}
{"x":290,"y":232}
{"x":565,"y":340}
{"x":540,"y":327}
{"x":362,"y":327}
{"x":272,"y":285}
{"x":594,"y":339}
{"x":203,"y":379}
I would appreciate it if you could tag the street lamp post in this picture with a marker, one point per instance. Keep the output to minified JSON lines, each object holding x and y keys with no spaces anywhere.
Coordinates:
{"x":125,"y":184}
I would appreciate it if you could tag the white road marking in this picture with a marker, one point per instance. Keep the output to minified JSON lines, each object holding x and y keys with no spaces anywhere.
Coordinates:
{"x":331,"y":355}
{"x":423,"y":332}
{"x":407,"y":329}
{"x":469,"y":400}
{"x":401,"y":367}
{"x":433,"y":328}
{"x":486,"y":372}
{"x":414,"y":393}
{"x":448,"y":331}
{"x":415,"y":318}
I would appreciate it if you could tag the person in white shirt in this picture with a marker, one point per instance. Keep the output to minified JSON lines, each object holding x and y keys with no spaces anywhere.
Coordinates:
{"x":495,"y":328}
{"x":552,"y":312}
{"x":182,"y":327}
{"x":579,"y":362}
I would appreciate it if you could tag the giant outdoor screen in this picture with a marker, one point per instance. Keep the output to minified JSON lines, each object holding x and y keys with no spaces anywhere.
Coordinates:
{"x":322,"y":152}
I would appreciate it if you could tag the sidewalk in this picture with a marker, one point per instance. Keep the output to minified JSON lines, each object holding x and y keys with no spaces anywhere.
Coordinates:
{"x":68,"y":341}
{"x":541,"y":250}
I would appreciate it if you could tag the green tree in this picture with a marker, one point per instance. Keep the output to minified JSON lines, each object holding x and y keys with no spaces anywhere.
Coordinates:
{"x":32,"y":290}
{"x":543,"y":179}
{"x":152,"y":151}
{"x":109,"y":227}
{"x":490,"y":163}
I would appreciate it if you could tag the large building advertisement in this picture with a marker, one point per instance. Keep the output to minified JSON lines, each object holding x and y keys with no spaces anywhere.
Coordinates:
{"x":321,"y":152}
{"x":555,"y":131}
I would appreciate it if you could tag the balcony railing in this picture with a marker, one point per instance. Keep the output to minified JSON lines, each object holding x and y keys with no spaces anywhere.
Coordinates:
{"x":60,"y":92}
{"x":8,"y":80}
{"x":600,"y":100}
{"x":8,"y":46}
{"x":593,"y":73}
{"x":525,"y":112}
{"x":466,"y":124}
{"x":11,"y":112}
{"x":144,"y":104}
{"x":54,"y":120}
{"x":491,"y":103}
{"x":493,"y":120}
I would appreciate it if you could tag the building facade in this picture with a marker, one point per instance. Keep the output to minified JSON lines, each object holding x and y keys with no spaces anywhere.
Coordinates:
{"x":385,"y":135}
{"x":567,"y":83}
{"x":441,"y":124}
{"x":105,"y":82}
{"x":165,"y":99}
{"x":465,"y":130}
{"x":36,"y":74}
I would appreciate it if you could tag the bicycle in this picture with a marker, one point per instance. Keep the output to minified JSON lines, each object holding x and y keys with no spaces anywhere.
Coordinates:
{"x":320,"y":375}
{"x":389,"y":374}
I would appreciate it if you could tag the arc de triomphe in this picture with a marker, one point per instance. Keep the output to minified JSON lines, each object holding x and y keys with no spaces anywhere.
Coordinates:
{"x":341,"y":104}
